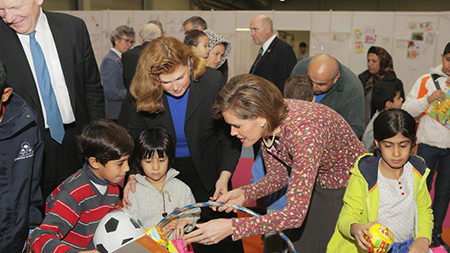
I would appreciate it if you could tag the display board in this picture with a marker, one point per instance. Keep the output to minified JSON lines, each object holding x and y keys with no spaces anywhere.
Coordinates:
{"x":415,"y":40}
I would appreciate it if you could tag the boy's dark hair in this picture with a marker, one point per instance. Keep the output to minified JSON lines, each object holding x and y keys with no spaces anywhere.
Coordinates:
{"x":196,"y":21}
{"x":150,"y":141}
{"x":105,"y":140}
{"x":299,"y":87}
{"x":302,"y":44}
{"x":2,"y":77}
{"x":384,"y":91}
{"x":191,"y":37}
{"x":391,"y":122}
{"x":446,"y":49}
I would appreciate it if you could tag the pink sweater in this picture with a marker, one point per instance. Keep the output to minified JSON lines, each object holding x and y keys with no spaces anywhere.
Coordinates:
{"x":318,"y":145}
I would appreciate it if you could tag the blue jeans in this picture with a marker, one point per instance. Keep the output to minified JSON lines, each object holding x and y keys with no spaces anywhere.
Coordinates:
{"x":437,"y":159}
{"x":402,"y":247}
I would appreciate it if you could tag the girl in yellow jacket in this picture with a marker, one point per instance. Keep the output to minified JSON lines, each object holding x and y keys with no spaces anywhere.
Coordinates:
{"x":388,"y":187}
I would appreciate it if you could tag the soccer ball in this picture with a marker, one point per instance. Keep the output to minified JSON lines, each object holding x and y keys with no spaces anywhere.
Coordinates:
{"x":114,"y":230}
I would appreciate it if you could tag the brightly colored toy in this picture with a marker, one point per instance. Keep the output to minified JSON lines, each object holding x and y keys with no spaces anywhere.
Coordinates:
{"x":179,"y":211}
{"x":158,"y":235}
{"x":115,"y":230}
{"x":179,"y":246}
{"x":382,"y":239}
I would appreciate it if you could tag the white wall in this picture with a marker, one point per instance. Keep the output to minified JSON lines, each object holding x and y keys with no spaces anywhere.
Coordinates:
{"x":330,"y":32}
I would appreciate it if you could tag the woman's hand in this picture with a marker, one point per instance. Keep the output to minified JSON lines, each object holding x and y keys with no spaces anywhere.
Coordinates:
{"x":179,"y":230}
{"x":170,"y":227}
{"x":131,"y":186}
{"x":235,"y":197}
{"x":221,"y":185}
{"x":359,"y":232}
{"x":210,"y":232}
{"x":420,"y":245}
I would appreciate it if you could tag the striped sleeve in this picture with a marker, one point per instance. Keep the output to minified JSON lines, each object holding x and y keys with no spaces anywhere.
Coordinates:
{"x":60,"y":219}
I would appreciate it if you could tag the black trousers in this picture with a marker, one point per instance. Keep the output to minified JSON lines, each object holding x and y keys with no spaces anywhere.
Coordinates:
{"x":189,"y":176}
{"x":60,"y":160}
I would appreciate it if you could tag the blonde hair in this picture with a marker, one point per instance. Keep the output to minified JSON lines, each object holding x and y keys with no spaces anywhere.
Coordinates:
{"x":250,"y":96}
{"x":161,"y":56}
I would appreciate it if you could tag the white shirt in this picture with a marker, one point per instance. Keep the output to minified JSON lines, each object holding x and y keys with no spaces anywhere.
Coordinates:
{"x":266,"y":44}
{"x":430,"y":131}
{"x":397,"y":206}
{"x":45,"y":39}
{"x":117,"y":52}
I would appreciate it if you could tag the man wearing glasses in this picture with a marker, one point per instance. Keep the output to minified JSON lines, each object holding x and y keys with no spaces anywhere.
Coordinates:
{"x":111,"y":71}
{"x":335,"y":86}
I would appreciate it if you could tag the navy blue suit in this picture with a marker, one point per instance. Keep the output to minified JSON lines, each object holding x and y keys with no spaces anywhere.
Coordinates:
{"x":111,"y":72}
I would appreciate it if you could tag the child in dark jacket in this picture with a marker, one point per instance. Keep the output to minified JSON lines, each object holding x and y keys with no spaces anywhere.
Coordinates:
{"x":75,"y":207}
{"x":20,"y":169}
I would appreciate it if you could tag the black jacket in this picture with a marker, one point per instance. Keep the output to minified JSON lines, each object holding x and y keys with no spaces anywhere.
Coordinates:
{"x":211,"y":146}
{"x":276,"y":63}
{"x":21,"y":152}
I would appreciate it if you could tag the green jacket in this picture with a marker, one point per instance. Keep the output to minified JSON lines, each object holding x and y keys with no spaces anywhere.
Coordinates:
{"x":362,"y":197}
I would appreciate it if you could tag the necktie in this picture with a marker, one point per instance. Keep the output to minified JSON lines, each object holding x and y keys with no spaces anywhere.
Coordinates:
{"x":54,"y":120}
{"x":258,"y":58}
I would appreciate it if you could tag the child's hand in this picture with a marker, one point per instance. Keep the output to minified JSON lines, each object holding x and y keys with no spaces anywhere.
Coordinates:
{"x":359,"y":232}
{"x":420,"y":245}
{"x":131,"y":186}
{"x":436,"y":95}
{"x":170,"y":227}
{"x":179,"y":230}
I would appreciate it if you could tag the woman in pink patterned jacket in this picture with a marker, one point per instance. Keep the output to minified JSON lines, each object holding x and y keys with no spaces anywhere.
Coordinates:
{"x":308,"y":143}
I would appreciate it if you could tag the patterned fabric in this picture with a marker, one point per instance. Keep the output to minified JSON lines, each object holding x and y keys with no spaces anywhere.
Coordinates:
{"x":73,"y":211}
{"x":214,"y":40}
{"x":397,"y":207}
{"x":319,"y":146}
{"x":53,"y":114}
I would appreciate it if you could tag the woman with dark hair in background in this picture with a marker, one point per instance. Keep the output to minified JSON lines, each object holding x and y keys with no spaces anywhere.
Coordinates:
{"x":379,"y":67}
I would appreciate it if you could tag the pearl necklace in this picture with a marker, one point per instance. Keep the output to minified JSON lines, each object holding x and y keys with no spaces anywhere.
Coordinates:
{"x":269,"y":143}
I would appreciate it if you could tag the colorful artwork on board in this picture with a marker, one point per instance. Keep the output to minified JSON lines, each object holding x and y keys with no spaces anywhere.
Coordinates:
{"x":413,"y":50}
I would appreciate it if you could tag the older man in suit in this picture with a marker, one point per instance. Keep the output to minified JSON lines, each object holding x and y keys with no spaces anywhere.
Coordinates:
{"x":276,"y":58}
{"x":122,"y":38}
{"x":51,"y":65}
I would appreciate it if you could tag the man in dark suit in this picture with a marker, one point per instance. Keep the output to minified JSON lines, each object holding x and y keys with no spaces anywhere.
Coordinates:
{"x":51,"y":65}
{"x":276,"y":58}
{"x":147,"y":33}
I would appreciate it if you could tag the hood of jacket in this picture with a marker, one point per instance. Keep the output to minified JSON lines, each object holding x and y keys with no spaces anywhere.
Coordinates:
{"x":17,"y":116}
{"x":437,"y":70}
{"x":171,"y":173}
{"x":367,"y":167}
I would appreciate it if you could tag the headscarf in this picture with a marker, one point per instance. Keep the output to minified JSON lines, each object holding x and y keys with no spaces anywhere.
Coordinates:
{"x":386,"y":66}
{"x":214,"y":40}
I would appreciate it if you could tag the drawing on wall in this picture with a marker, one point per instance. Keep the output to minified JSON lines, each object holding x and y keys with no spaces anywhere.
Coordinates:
{"x":370,"y":37}
{"x":429,"y":37}
{"x":413,"y":50}
{"x":359,"y":46}
{"x":426,"y":26}
{"x":417,"y":36}
{"x":412,"y":25}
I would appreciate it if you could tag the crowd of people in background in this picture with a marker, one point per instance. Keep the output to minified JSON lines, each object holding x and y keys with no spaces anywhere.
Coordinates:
{"x":162,"y":125}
